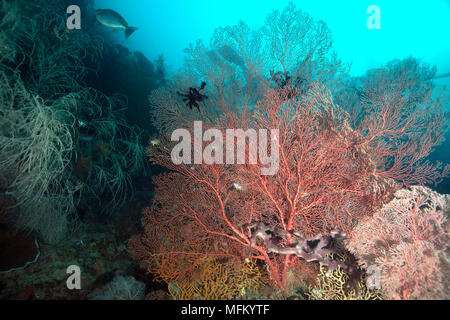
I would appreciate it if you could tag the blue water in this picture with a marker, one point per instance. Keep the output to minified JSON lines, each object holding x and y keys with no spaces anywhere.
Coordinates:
{"x":76,"y":120}
{"x":418,"y":28}
{"x":407,"y":28}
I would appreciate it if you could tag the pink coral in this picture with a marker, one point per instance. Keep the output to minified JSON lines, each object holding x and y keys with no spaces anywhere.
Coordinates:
{"x":406,"y":240}
{"x":331,"y":172}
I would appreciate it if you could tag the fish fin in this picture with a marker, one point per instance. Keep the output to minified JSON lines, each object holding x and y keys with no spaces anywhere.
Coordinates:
{"x":129,"y":31}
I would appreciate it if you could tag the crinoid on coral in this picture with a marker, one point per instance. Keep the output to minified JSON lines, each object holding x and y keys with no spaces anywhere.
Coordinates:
{"x":337,"y":158}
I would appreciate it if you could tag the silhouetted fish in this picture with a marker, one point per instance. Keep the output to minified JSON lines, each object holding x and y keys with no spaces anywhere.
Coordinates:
{"x":84,"y":137}
{"x":228,"y":53}
{"x":113,"y":20}
{"x":446,"y":75}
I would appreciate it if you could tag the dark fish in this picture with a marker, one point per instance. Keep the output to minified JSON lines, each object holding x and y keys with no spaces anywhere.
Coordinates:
{"x":227,"y":53}
{"x":113,"y":20}
{"x":84,"y":137}
{"x":446,"y":75}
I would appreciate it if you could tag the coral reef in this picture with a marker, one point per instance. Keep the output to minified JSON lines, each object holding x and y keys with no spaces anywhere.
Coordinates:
{"x":406,"y":242}
{"x":65,"y":146}
{"x":36,"y":146}
{"x":336,"y":285}
{"x":340,"y":159}
{"x":212,"y":280}
{"x":336,"y":205}
{"x":98,"y":248}
{"x":121,"y":288}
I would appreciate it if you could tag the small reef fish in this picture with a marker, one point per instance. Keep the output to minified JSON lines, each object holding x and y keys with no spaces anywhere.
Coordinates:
{"x":86,"y":138}
{"x":237,"y":186}
{"x":155,"y":142}
{"x":113,"y":20}
{"x":227,"y":53}
{"x":193,"y":97}
{"x":81,"y":123}
{"x":303,"y":193}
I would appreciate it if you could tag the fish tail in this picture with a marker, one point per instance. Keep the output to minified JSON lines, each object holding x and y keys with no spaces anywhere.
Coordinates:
{"x":129,"y":31}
